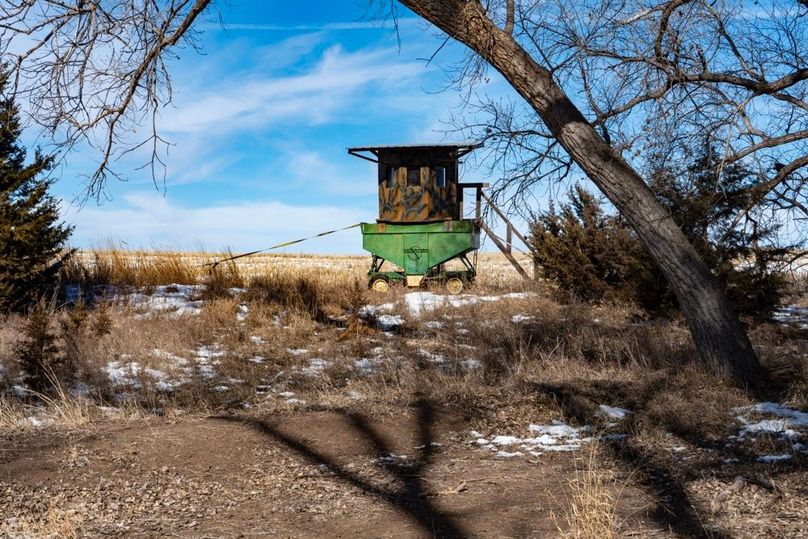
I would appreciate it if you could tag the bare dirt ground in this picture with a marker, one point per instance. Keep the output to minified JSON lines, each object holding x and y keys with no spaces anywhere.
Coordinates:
{"x":333,"y":474}
{"x":314,"y":474}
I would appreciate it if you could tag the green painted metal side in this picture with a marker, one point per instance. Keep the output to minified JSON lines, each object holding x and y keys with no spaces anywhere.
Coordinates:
{"x":416,"y":248}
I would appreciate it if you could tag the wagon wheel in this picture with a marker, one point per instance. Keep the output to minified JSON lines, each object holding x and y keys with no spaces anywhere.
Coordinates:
{"x":379,"y":285}
{"x":454,"y":285}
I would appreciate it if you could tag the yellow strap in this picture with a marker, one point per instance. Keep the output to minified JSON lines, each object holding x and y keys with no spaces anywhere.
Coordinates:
{"x":278,"y":246}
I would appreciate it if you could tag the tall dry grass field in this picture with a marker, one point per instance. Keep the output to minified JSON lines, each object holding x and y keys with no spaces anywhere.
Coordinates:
{"x":160,"y":267}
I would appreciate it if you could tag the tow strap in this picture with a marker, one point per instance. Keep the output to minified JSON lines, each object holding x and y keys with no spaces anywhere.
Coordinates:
{"x":278,"y":246}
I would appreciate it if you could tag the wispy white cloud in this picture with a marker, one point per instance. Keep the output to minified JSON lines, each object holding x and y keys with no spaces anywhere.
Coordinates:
{"x":312,"y":97}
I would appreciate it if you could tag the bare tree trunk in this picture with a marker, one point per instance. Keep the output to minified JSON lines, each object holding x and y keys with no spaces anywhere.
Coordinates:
{"x":717,"y":332}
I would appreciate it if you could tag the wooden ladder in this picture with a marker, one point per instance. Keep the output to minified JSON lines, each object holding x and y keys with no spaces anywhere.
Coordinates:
{"x":506,"y":245}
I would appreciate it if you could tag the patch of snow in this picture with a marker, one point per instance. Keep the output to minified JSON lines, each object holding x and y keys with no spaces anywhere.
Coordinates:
{"x":174,"y":299}
{"x":769,"y":426}
{"x":162,"y":354}
{"x":387,"y":322}
{"x":613,"y":412}
{"x":792,"y":315}
{"x":434,"y":324}
{"x":555,"y":437}
{"x":471,"y":364}
{"x":418,"y":303}
{"x":505,"y":440}
{"x":316,"y":366}
{"x":795,"y":417}
{"x":508,"y":454}
{"x":558,"y":429}
{"x":297,"y":351}
{"x":121,"y":374}
{"x":37,"y":422}
{"x":243,"y":312}
{"x":162,"y":382}
{"x":206,"y":359}
{"x":355,"y":395}
{"x":432,"y":444}
{"x":220,"y":389}
{"x":544,"y":439}
{"x":366,"y":365}
{"x":788,"y":425}
{"x":287,"y":394}
{"x":206,"y":371}
{"x":391,"y":458}
{"x":432,"y":357}
{"x":774,"y":458}
{"x":255,"y":339}
{"x":519,"y":318}
{"x":374,"y":310}
{"x":519,"y":295}
{"x":295,"y":401}
{"x":562,"y":448}
{"x":209,"y":352}
{"x":80,"y":389}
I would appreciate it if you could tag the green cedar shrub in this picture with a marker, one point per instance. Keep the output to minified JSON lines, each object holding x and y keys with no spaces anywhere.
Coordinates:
{"x":31,"y":237}
{"x":596,"y":256}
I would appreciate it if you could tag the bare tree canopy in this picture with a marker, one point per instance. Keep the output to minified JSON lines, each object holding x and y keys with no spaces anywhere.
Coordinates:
{"x":94,"y":71}
{"x":653,"y":75}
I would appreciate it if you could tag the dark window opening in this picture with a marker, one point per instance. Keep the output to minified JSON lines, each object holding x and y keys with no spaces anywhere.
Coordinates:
{"x":413,"y":177}
{"x":390,"y":176}
{"x":440,"y":173}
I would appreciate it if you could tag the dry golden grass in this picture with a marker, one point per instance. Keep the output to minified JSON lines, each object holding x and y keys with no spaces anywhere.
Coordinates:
{"x":591,"y":511}
{"x":59,"y":409}
{"x":161,"y":267}
{"x":304,"y":303}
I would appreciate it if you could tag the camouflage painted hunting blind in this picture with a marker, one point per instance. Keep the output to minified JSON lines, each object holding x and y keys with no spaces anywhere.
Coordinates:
{"x":418,"y":184}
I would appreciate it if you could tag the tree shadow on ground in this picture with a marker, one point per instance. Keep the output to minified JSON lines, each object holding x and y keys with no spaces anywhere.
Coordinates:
{"x":664,"y":478}
{"x":412,"y":497}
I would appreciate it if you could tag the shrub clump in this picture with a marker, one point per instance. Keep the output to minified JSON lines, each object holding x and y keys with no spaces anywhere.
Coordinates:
{"x":38,"y":354}
{"x":595,"y":256}
{"x":299,"y":293}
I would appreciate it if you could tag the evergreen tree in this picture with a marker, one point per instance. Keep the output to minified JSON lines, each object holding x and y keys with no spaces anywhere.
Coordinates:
{"x":31,"y":237}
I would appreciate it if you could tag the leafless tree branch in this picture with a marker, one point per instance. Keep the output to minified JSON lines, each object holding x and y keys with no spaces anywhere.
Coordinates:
{"x":94,"y":72}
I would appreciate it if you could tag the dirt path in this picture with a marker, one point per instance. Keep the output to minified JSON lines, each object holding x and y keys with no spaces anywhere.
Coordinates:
{"x":310,"y":474}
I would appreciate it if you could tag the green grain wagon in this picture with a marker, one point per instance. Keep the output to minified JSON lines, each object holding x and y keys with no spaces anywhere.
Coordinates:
{"x":421,"y":226}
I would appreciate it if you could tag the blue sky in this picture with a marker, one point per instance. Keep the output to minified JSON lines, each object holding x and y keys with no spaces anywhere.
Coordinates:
{"x":260,"y":124}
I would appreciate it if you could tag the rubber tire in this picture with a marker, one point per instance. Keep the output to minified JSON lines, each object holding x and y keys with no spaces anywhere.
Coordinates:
{"x":380,"y":286}
{"x":454,"y":285}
